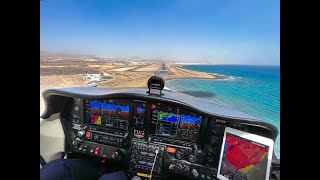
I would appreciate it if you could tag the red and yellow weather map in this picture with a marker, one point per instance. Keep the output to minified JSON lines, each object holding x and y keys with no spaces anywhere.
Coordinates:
{"x":244,"y":159}
{"x":96,"y":119}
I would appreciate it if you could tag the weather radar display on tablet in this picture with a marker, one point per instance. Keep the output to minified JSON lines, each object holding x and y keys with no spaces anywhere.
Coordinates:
{"x":245,"y":156}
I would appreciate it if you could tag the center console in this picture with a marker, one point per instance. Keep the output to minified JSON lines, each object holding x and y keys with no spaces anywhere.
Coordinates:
{"x":146,"y":160}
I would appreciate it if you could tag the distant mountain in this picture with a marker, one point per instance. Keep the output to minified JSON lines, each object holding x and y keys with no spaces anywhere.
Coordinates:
{"x":63,"y":53}
{"x":46,"y":53}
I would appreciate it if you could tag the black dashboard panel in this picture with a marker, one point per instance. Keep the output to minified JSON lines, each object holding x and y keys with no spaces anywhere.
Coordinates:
{"x":173,"y":134}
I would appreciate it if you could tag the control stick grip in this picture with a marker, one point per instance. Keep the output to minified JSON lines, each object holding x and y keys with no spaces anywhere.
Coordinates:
{"x":154,"y":162}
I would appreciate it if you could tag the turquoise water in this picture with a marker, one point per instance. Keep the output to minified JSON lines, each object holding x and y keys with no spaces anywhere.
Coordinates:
{"x":252,"y":89}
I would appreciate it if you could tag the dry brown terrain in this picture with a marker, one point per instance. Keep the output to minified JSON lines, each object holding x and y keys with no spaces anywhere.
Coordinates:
{"x":67,"y":74}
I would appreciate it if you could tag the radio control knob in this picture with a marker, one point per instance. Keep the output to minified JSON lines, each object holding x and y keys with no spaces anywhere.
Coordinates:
{"x":179,"y":154}
{"x":77,"y":101}
{"x":76,"y":108}
{"x":193,"y":158}
{"x":81,"y":133}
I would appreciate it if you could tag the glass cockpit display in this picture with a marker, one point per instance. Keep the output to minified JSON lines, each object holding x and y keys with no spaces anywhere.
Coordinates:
{"x":139,"y":118}
{"x":188,"y":128}
{"x":108,"y":115}
{"x":167,"y":124}
{"x":177,"y":126}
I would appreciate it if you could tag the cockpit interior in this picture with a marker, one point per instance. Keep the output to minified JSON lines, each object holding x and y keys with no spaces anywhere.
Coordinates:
{"x":149,"y":135}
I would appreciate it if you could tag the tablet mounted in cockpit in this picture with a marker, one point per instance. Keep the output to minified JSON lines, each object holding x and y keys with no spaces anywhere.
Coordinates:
{"x":244,"y":156}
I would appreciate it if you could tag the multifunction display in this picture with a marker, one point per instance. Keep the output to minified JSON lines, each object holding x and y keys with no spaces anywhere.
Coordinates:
{"x":175,"y":125}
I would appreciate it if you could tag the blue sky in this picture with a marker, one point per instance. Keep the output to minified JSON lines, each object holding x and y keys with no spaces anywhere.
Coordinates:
{"x":215,"y":31}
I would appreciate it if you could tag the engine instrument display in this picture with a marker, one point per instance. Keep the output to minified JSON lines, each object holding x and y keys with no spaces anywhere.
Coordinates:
{"x":108,"y":115}
{"x":139,"y":117}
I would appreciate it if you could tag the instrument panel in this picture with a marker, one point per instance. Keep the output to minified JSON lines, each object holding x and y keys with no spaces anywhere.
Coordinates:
{"x":142,"y":120}
{"x":133,"y":129}
{"x":188,"y":142}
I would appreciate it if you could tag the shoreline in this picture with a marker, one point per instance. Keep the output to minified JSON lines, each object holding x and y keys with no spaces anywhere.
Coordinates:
{"x":186,"y":78}
{"x":218,"y":76}
{"x":177,"y":72}
{"x":126,"y":74}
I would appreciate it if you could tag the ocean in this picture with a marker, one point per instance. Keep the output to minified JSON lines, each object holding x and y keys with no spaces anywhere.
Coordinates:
{"x":251,"y":89}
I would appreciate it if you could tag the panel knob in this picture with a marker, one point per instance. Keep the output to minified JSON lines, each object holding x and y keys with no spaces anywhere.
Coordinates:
{"x":179,"y":154}
{"x":81,"y":133}
{"x":193,"y":158}
{"x":136,"y":178}
{"x":76,"y":142}
{"x":76,"y":108}
{"x":115,"y":155}
{"x":195,"y":173}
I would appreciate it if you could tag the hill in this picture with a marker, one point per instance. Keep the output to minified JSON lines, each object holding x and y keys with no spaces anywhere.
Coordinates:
{"x":63,"y":53}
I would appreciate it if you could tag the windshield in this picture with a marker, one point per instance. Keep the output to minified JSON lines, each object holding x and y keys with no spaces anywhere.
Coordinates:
{"x":226,"y":52}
